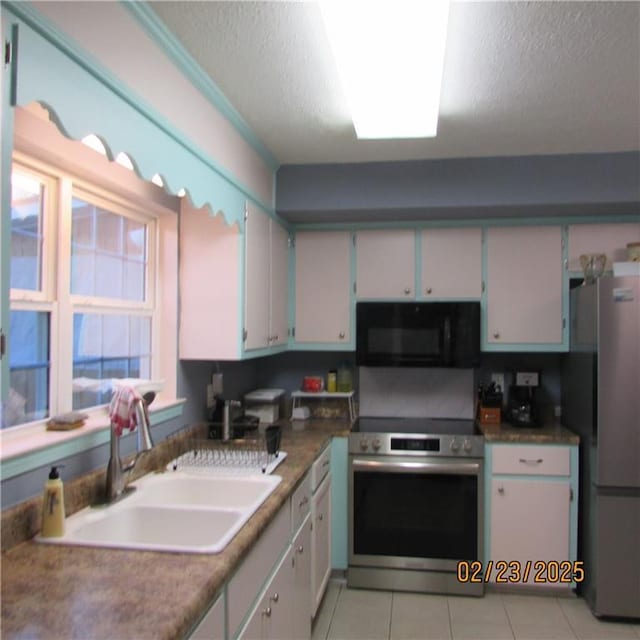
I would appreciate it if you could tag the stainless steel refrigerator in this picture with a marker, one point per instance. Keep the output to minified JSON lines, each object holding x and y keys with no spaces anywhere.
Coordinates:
{"x":601,"y":402}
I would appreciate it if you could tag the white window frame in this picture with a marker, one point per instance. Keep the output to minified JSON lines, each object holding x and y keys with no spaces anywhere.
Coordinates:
{"x":55,"y":296}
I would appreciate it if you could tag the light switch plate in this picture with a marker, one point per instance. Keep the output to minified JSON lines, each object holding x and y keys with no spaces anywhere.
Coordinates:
{"x":527,"y":379}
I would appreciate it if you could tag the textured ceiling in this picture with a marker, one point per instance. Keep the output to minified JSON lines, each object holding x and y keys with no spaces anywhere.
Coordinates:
{"x":520,"y":78}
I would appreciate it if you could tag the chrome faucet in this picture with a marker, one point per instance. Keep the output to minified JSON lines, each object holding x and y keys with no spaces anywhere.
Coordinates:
{"x":116,"y":483}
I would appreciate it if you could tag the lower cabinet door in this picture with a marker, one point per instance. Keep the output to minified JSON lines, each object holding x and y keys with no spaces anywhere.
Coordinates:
{"x":529,"y":524}
{"x":271,"y":619}
{"x":320,"y":543}
{"x":301,"y":596}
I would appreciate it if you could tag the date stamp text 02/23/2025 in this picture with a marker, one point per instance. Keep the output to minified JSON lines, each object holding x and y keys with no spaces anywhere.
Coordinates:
{"x":514,"y":572}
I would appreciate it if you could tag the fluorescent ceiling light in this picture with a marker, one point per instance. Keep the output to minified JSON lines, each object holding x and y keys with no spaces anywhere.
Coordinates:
{"x":390,"y":57}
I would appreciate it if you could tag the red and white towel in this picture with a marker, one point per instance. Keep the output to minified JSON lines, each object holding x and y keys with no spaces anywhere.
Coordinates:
{"x":123,"y":409}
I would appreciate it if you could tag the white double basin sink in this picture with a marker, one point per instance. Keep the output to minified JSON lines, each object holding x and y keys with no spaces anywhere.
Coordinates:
{"x":174,"y":512}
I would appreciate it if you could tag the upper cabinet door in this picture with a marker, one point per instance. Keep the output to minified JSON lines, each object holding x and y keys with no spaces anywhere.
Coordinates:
{"x":257,"y":276}
{"x":323,"y":287}
{"x":610,"y":239}
{"x":524,"y":285}
{"x":452,"y":263}
{"x":385,"y":264}
{"x":279,"y":324}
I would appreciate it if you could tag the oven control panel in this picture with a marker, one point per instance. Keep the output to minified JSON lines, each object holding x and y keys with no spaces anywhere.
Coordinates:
{"x":417,"y":444}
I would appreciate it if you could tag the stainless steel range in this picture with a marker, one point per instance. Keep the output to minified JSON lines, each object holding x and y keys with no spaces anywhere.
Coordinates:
{"x":415,"y":503}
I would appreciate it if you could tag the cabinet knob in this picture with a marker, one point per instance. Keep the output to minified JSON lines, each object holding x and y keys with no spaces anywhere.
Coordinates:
{"x":501,"y":490}
{"x":407,"y":291}
{"x":496,"y":335}
{"x":275,"y":597}
{"x":429,"y":289}
{"x":267,"y":612}
{"x":300,"y":549}
{"x":341,"y":335}
{"x":275,"y":338}
{"x":320,"y":516}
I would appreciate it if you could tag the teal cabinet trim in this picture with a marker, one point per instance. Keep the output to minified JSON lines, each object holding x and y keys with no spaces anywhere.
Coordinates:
{"x":83,"y":442}
{"x":168,"y":43}
{"x":110,"y":109}
{"x":9,"y":35}
{"x":471,"y":222}
{"x":339,"y":504}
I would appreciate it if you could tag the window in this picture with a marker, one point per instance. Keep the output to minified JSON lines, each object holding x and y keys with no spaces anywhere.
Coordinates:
{"x":83,"y":311}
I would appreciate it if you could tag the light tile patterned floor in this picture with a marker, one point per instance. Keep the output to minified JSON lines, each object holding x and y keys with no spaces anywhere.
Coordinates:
{"x":357,"y":614}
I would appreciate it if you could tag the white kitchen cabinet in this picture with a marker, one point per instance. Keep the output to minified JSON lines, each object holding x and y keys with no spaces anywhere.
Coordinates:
{"x":323,"y":288}
{"x":211,"y":627}
{"x":524,"y":281}
{"x":301,"y":550}
{"x":320,"y":542}
{"x":385,"y":264}
{"x":266,"y":281}
{"x":210,"y":286}
{"x":610,"y":239}
{"x":271,"y":618}
{"x":451,"y":265}
{"x":533,"y":514}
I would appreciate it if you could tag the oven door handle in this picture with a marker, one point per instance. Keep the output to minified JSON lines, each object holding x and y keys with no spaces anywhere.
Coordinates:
{"x":409,"y":466}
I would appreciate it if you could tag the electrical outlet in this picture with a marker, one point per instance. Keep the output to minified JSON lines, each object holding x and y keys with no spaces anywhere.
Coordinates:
{"x":211,"y":399}
{"x":216,"y":383}
{"x":498,"y":378}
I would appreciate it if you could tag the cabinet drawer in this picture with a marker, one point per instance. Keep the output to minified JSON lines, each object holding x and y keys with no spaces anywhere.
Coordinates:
{"x":320,"y":468}
{"x":531,"y":460}
{"x":248,"y":580}
{"x":301,"y":503}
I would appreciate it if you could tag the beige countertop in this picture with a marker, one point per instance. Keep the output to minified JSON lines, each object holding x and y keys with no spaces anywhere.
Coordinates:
{"x":546,"y":434}
{"x":51,"y":591}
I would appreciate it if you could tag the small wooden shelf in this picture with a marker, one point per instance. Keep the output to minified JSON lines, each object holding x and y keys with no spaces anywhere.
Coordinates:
{"x":296,"y":396}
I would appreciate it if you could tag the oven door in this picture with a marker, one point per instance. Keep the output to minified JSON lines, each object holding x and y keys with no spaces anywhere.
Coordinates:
{"x":415,"y":513}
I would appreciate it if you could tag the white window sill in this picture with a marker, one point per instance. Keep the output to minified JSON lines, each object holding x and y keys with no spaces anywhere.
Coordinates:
{"x":31,"y":446}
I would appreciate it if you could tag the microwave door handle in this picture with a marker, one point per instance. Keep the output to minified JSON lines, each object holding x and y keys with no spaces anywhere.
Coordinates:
{"x":447,"y":340}
{"x":409,"y":466}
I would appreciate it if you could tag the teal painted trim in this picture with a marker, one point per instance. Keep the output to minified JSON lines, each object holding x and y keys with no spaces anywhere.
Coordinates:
{"x":470,"y":222}
{"x":9,"y":35}
{"x":417,"y":252}
{"x":171,"y":46}
{"x":291,"y":299}
{"x":83,"y":442}
{"x":353,"y":275}
{"x":519,"y":347}
{"x":573,"y":508}
{"x":488,"y":476}
{"x":565,"y":288}
{"x":132,"y":121}
{"x":339,"y":504}
{"x":322,"y":346}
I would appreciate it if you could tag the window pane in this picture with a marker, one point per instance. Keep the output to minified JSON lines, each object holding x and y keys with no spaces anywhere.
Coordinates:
{"x":27,"y":202}
{"x":108,"y":253}
{"x":107,"y":346}
{"x":28,"y":367}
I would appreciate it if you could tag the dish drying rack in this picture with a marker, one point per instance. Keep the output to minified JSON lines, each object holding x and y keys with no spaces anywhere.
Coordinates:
{"x":213,"y":457}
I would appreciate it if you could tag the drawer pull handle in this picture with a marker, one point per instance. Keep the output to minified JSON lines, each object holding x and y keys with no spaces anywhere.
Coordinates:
{"x":531,"y":461}
{"x":320,"y":517}
{"x":326,"y":463}
{"x":303,"y":502}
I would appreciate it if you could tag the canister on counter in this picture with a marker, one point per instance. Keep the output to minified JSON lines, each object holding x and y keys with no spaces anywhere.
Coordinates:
{"x":332,"y":381}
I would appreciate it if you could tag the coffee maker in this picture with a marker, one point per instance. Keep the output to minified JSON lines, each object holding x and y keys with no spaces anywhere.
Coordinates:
{"x":522,"y":410}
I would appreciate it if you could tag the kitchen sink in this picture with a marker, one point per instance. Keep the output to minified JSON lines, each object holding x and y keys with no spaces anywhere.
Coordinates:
{"x":174,"y":512}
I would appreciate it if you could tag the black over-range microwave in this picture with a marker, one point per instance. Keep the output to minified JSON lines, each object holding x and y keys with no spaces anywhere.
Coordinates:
{"x":418,"y":334}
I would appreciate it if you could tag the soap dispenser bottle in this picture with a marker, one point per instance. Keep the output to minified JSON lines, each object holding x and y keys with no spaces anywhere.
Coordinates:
{"x":53,"y":506}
